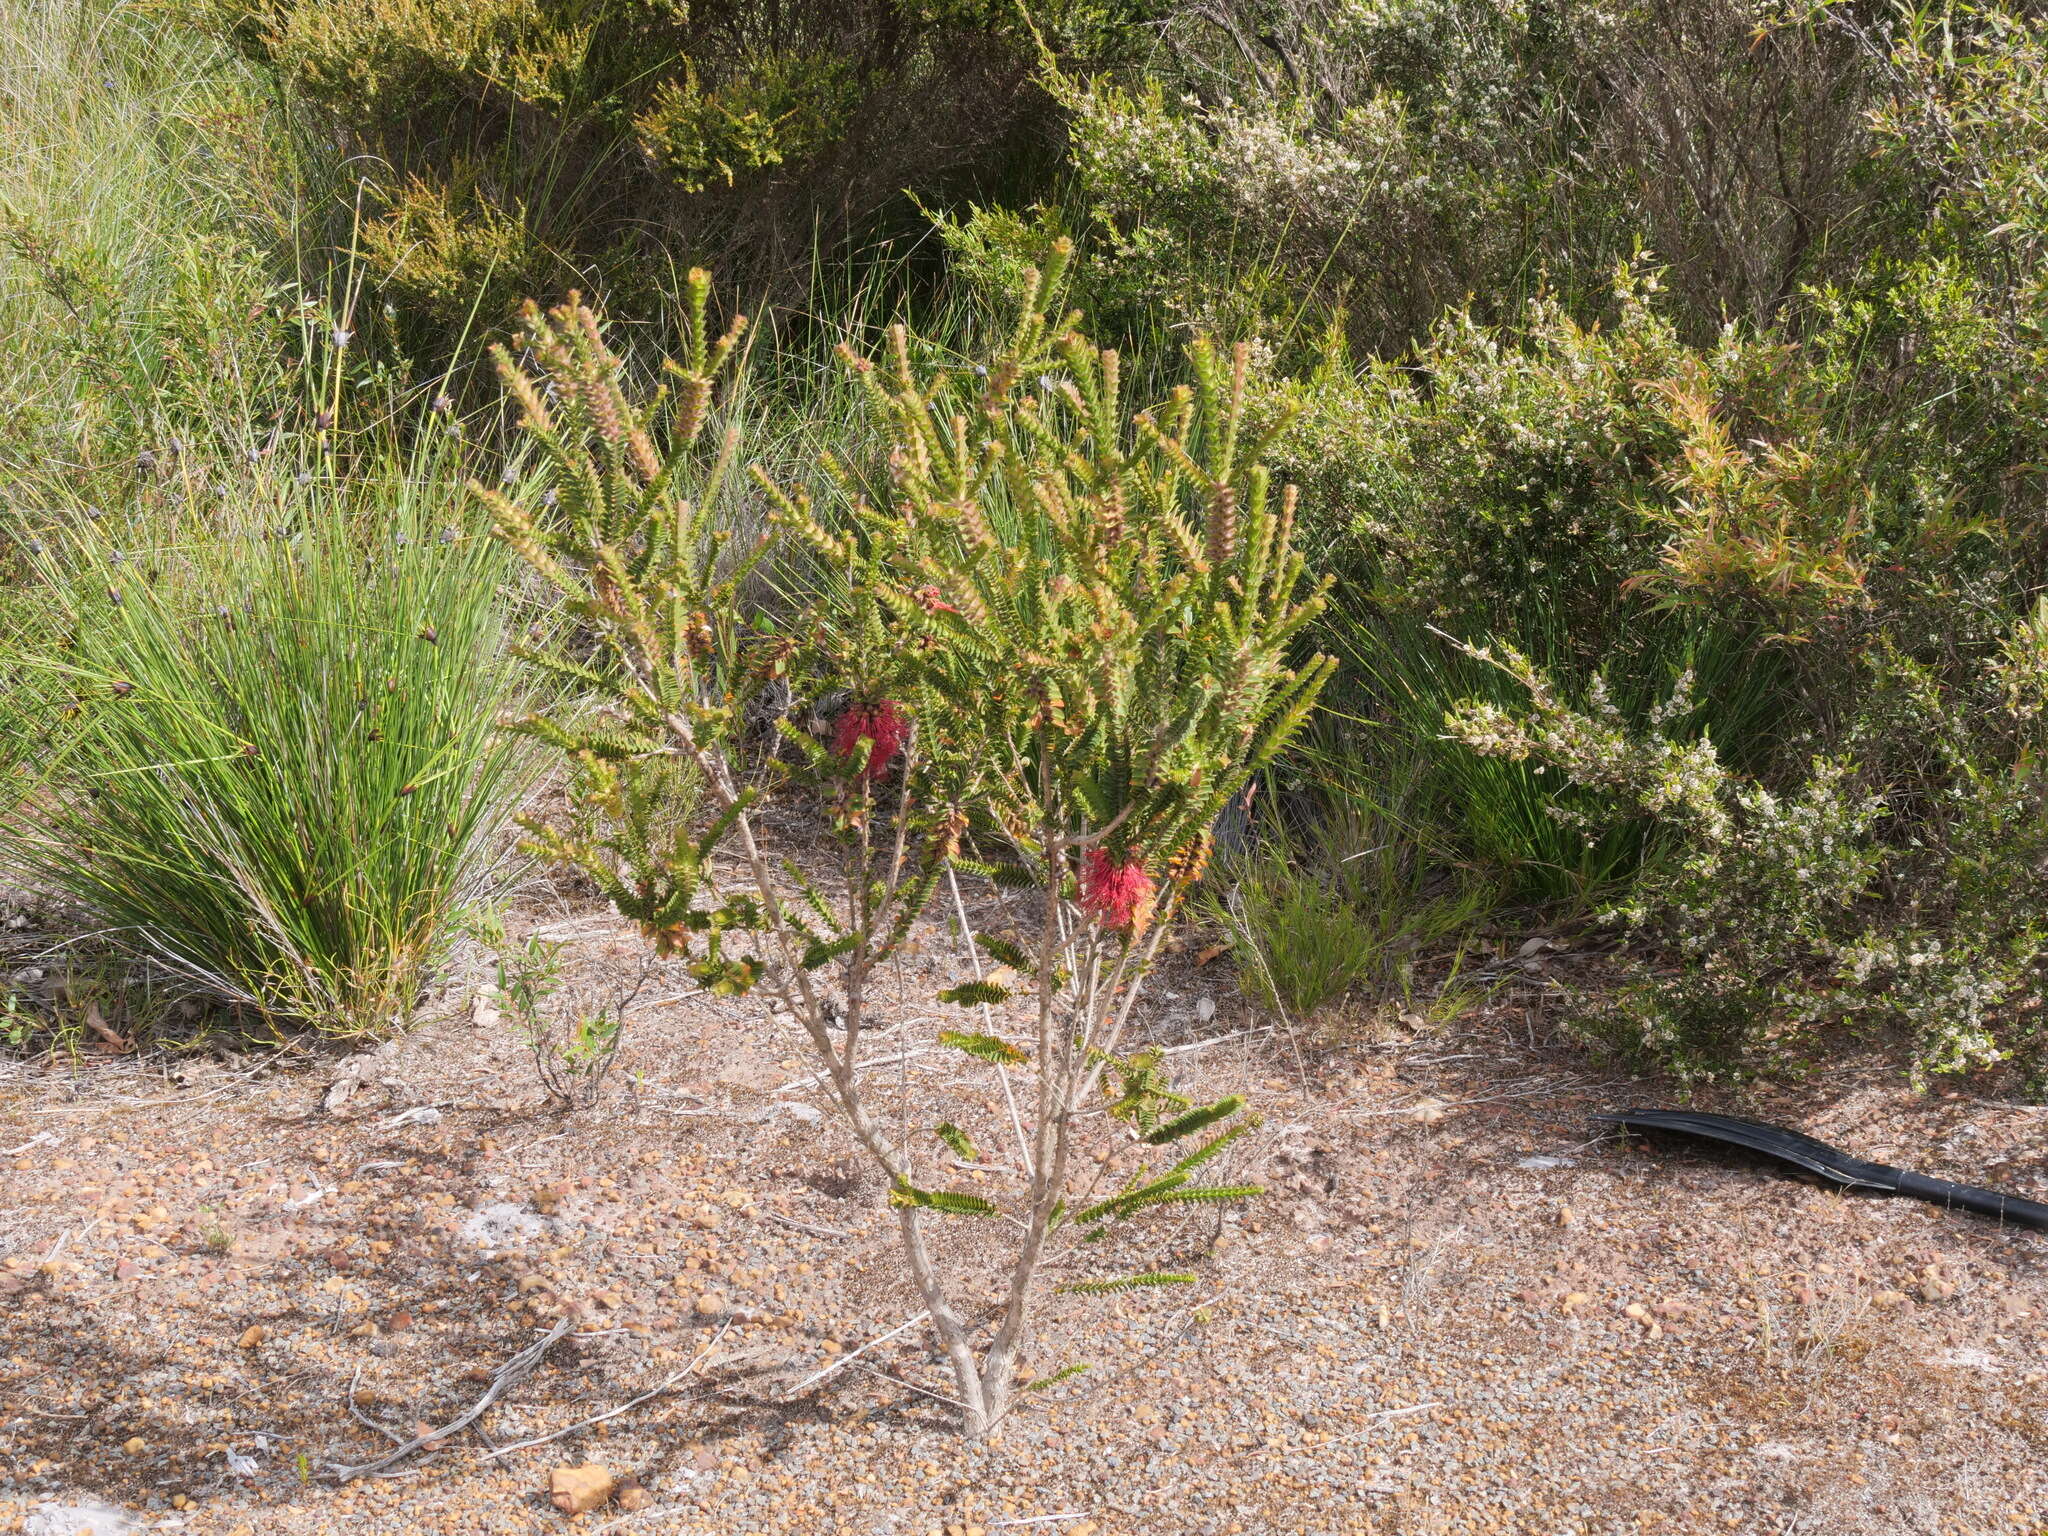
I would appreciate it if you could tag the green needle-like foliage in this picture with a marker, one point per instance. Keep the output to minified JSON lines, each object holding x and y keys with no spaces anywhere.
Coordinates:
{"x":283,"y":778}
{"x":958,"y":1141}
{"x":1127,"y":1283}
{"x":623,"y":522}
{"x":1195,"y":1120}
{"x":1077,"y":625}
{"x":906,"y":1196}
{"x":987,"y":1047}
{"x":1105,"y":605}
{"x":1097,"y":614}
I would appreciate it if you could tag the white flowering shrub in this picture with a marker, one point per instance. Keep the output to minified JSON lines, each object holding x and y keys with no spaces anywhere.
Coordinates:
{"x":1379,"y":161}
{"x":1867,"y":894}
{"x":1505,"y":458}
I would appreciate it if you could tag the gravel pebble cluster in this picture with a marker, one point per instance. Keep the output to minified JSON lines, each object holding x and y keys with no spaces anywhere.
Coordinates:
{"x":1455,"y":1310}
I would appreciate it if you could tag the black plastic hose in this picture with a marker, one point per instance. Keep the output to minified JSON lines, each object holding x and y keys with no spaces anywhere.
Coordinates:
{"x":1804,"y":1151}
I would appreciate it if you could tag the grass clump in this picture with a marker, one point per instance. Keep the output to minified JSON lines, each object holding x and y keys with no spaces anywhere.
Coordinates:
{"x":1331,"y":914}
{"x":282,"y":777}
{"x":150,"y":193}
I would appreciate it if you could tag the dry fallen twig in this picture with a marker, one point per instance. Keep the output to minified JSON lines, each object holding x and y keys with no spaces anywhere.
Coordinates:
{"x":396,"y":1436}
{"x":1374,"y":1420}
{"x":909,"y":1386}
{"x":1071,"y":1514}
{"x":509,"y":1374}
{"x":638,"y":1514}
{"x":625,"y":1407}
{"x":845,"y":1360}
{"x":809,"y":1226}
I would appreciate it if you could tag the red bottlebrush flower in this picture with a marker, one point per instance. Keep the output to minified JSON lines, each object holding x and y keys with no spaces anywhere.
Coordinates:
{"x":881,"y":723}
{"x":1115,"y":890}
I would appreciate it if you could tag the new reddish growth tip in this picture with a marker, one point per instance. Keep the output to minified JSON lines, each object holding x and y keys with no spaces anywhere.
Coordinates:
{"x":882,"y":723}
{"x":1115,"y":890}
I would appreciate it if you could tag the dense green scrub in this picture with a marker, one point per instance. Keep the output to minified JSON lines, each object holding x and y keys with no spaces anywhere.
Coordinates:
{"x":1664,"y":382}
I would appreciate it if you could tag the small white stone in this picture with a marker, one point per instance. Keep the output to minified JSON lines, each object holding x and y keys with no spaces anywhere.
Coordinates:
{"x":503,"y":1225}
{"x":92,"y":1519}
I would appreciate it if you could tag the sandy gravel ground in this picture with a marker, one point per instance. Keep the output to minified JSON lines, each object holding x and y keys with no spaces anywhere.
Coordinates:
{"x":1459,"y":1309}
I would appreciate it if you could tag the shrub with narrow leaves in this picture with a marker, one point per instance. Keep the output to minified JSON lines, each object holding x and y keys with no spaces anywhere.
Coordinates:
{"x":1791,"y":909}
{"x":1096,"y":614}
{"x":1069,"y":634}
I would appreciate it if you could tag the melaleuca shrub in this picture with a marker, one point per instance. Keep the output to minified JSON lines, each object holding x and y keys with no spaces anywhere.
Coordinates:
{"x":1062,"y":642}
{"x":1891,"y":889}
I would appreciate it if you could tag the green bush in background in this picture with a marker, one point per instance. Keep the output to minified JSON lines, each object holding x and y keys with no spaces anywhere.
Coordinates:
{"x":1692,"y":353}
{"x":510,"y":147}
{"x":1274,"y":165}
{"x":1502,"y":482}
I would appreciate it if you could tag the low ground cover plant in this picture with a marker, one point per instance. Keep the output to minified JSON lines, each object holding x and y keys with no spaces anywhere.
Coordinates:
{"x":572,"y":1034}
{"x":1338,"y":914}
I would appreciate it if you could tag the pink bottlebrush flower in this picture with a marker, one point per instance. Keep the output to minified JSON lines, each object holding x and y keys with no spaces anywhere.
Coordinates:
{"x":881,"y":723}
{"x":1115,"y":890}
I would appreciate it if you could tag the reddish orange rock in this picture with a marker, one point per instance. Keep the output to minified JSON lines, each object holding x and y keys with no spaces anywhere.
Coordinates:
{"x":578,"y":1490}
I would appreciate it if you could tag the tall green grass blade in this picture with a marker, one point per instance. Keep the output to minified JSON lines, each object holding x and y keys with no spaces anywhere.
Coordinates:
{"x":287,"y":776}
